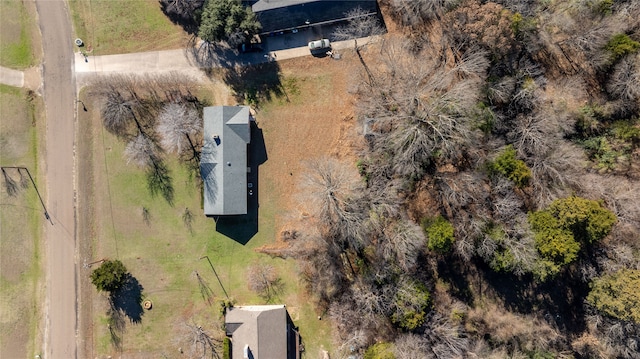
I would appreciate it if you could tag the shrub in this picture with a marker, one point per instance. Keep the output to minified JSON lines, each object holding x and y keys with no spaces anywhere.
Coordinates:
{"x":589,"y":121}
{"x":553,"y":240}
{"x":602,"y":153}
{"x":110,"y":276}
{"x":226,"y":348}
{"x":560,"y":230}
{"x":411,"y":303}
{"x":485,"y":118}
{"x":627,"y":131}
{"x":506,"y":164}
{"x":587,"y":219}
{"x":620,"y":45}
{"x":380,"y":351}
{"x":440,"y":237}
{"x":521,"y":24}
{"x":603,"y":7}
{"x":617,"y":295}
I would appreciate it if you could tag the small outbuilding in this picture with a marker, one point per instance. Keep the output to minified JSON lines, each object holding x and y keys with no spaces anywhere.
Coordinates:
{"x":223,"y":162}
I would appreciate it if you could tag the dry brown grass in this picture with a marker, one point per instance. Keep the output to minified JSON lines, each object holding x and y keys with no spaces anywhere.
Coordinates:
{"x":21,"y":220}
{"x":524,"y":332}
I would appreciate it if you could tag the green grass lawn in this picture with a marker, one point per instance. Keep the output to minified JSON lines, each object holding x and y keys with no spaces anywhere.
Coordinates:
{"x":164,"y":255}
{"x":113,"y":26}
{"x":21,"y":221}
{"x":16,"y":26}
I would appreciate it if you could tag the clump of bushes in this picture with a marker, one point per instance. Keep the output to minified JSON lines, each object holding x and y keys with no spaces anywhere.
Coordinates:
{"x":507,"y":165}
{"x":617,"y":295}
{"x":620,"y":45}
{"x":561,"y":230}
{"x":412,"y":302}
{"x":440,"y":234}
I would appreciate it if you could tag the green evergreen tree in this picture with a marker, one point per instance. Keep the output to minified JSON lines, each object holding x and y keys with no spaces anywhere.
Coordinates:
{"x":510,"y":167}
{"x":228,"y":21}
{"x":562,"y":229}
{"x":110,"y":276}
{"x":440,"y":234}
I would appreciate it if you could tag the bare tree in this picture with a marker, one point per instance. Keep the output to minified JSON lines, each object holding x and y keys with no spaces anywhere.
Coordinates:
{"x":141,"y":151}
{"x":416,"y":12}
{"x":177,"y":124}
{"x":417,"y":111}
{"x":624,"y":83}
{"x":412,"y":346}
{"x":402,"y":244}
{"x":360,"y":24}
{"x":446,"y":338}
{"x":205,"y":290}
{"x":187,"y":219}
{"x":199,"y":343}
{"x":117,"y":113}
{"x":330,"y":190}
{"x":146,"y":215}
{"x":10,"y":185}
{"x":263,"y":280}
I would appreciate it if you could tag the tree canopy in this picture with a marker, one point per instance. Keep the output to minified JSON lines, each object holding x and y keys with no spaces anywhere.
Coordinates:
{"x":110,"y":276}
{"x":227,"y":21}
{"x":617,"y":294}
{"x":564,"y":226}
{"x":440,"y":234}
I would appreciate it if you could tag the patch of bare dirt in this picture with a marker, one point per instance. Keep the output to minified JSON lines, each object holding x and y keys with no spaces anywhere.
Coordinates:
{"x":318,"y":121}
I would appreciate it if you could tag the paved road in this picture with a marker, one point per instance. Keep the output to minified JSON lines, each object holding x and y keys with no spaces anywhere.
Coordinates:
{"x":59,"y":100}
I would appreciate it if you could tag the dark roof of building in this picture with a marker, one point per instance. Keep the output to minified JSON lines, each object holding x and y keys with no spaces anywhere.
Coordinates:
{"x":279,"y":15}
{"x":223,"y":162}
{"x":264,"y":328}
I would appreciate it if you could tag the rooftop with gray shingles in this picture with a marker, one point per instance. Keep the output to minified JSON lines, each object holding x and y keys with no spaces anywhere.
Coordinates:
{"x":262,"y":327}
{"x":223,"y":162}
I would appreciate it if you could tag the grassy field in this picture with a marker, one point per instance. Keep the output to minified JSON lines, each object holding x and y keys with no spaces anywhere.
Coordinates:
{"x":21,"y":220}
{"x":17,"y":27}
{"x":113,"y":27}
{"x":164,"y":255}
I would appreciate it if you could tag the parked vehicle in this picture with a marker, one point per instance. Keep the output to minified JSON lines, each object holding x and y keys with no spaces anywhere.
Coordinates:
{"x":249,"y":47}
{"x":319,"y":44}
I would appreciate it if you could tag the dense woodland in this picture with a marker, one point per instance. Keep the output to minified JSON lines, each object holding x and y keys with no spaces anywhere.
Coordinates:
{"x":497,"y":209}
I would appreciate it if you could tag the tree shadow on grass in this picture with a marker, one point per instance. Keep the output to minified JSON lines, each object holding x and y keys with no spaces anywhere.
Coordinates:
{"x":254,"y":84}
{"x":128,"y":300}
{"x":159,"y":181}
{"x":116,"y":324}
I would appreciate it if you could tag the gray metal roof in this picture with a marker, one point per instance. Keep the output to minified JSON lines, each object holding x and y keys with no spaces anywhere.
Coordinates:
{"x":223,"y":162}
{"x":263,"y":328}
{"x":279,"y":15}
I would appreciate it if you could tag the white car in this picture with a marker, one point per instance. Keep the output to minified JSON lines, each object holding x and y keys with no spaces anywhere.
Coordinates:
{"x":319,"y":44}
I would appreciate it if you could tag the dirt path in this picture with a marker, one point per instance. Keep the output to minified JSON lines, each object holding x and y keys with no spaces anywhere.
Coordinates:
{"x":59,"y":98}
